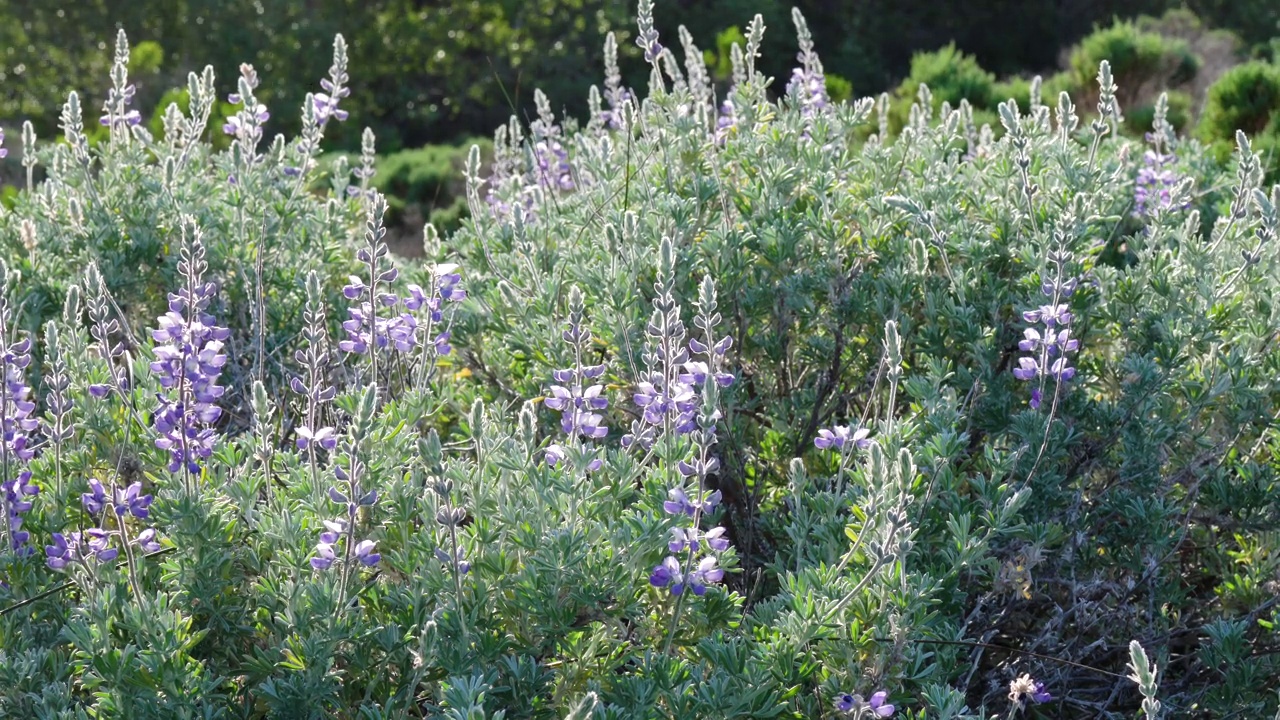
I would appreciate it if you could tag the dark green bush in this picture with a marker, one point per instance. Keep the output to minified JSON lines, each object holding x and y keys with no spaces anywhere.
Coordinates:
{"x":1246,"y":97}
{"x":426,"y":183}
{"x":1143,"y":63}
{"x":951,"y":75}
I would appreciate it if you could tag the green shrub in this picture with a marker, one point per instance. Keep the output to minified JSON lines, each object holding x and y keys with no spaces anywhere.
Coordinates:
{"x":1143,"y":63}
{"x":1246,"y":97}
{"x":951,"y":75}
{"x":428,"y":180}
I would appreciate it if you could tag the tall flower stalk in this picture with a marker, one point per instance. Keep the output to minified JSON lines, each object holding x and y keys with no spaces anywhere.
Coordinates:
{"x":17,"y":424}
{"x":693,"y":564}
{"x":366,"y":331}
{"x":352,"y":492}
{"x":313,"y":385}
{"x":188,"y":361}
{"x":577,"y":401}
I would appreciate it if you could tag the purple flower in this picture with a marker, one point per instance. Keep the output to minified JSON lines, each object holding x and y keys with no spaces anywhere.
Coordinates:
{"x":554,"y":455}
{"x":147,"y":541}
{"x":62,"y":551}
{"x":678,"y":503}
{"x":326,"y":106}
{"x":115,"y":109}
{"x":1153,"y":187}
{"x":667,"y":574}
{"x":706,"y":573}
{"x":324,"y":556}
{"x":1025,"y":688}
{"x":365,"y":554}
{"x":688,"y":539}
{"x":552,"y":162}
{"x":95,"y":500}
{"x":839,"y":436}
{"x":810,"y":86}
{"x":1039,"y":694}
{"x":132,"y":502}
{"x":100,"y":544}
{"x":877,"y":705}
{"x":99,"y":391}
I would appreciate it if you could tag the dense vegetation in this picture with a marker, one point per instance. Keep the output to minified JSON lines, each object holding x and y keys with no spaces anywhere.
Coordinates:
{"x":718,"y":404}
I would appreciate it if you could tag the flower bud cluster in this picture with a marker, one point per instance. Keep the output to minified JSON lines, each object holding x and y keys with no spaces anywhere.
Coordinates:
{"x":115,"y":111}
{"x":449,"y":517}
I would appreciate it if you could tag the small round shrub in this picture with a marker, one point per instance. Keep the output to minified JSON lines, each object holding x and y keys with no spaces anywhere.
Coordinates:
{"x":951,"y":75}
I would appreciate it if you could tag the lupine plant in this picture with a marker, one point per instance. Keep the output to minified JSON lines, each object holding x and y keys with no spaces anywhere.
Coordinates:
{"x":731,"y":401}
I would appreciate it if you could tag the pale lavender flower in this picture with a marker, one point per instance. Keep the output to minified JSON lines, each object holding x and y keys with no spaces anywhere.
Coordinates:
{"x":841,"y":436}
{"x":1027,"y":689}
{"x":876,"y":704}
{"x":147,"y":540}
{"x":1154,"y":185}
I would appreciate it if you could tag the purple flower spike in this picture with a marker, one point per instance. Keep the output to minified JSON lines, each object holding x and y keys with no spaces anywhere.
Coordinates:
{"x":846,"y":703}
